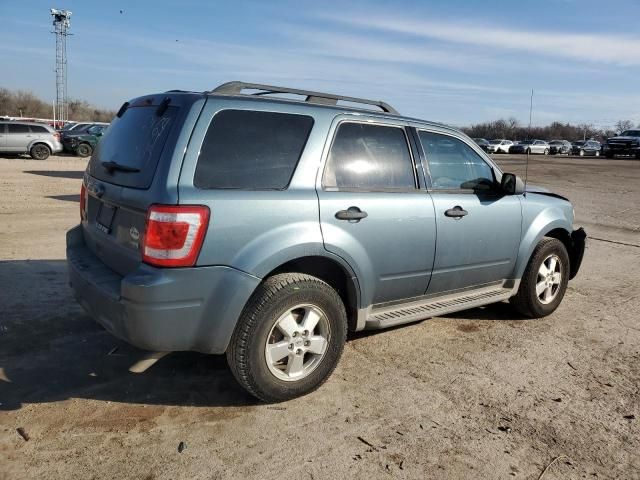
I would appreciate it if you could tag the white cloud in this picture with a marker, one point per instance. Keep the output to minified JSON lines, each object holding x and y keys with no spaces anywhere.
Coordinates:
{"x":616,"y":49}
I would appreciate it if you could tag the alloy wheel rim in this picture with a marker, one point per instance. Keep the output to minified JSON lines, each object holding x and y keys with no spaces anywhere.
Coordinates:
{"x":549,"y":279}
{"x":297,"y":342}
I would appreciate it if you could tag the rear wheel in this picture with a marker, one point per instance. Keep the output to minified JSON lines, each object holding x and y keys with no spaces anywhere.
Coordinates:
{"x":289,"y":338}
{"x":84,"y":150}
{"x":40,"y":151}
{"x":545,"y":280}
{"x":581,"y":153}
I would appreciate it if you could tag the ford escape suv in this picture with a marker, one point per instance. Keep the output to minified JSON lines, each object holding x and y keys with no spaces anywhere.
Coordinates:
{"x":243,"y":222}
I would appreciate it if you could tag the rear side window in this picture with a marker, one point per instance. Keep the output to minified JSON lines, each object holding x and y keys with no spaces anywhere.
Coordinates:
{"x":134,"y":141}
{"x":251,"y":150}
{"x":455,"y":165}
{"x":18,"y":128}
{"x":369,"y":157}
{"x":38,"y":129}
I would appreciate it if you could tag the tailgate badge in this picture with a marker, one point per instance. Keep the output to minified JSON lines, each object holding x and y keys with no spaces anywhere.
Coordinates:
{"x":134,"y":234}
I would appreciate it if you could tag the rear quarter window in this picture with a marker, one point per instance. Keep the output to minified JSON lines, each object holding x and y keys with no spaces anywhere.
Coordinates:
{"x":38,"y":129}
{"x":251,"y":150}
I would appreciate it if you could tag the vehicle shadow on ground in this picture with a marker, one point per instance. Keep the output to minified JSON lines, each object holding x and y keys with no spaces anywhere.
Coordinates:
{"x":73,"y":174}
{"x":50,"y":350}
{"x":66,"y":198}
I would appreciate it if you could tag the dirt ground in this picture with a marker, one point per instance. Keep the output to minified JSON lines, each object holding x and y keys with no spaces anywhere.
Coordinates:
{"x":479,"y":394}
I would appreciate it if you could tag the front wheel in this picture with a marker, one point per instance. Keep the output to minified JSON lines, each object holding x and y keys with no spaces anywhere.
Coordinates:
{"x":546,"y":151}
{"x":289,"y":337}
{"x":597,"y":153}
{"x":545,"y":280}
{"x":84,"y":150}
{"x":581,"y":153}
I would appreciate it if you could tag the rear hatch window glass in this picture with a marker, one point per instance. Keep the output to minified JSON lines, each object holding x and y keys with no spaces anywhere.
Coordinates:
{"x":133,"y":143}
{"x":251,"y":150}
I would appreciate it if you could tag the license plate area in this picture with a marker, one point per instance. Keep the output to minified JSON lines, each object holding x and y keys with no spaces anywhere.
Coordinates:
{"x":105,"y":216}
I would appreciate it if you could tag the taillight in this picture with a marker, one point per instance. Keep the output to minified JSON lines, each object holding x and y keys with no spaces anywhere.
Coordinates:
{"x":83,"y":203}
{"x":174,"y":234}
{"x":56,"y":136}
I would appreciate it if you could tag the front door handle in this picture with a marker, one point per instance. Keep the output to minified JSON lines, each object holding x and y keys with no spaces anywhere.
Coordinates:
{"x":456,"y":212}
{"x":353,"y":214}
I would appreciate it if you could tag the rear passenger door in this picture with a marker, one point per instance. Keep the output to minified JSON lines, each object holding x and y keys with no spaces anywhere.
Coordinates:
{"x":372,"y":211}
{"x":18,"y":137}
{"x":479,"y":229}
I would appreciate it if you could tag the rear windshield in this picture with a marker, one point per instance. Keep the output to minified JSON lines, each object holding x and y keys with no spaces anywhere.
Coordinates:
{"x":251,"y":150}
{"x":133,"y":141}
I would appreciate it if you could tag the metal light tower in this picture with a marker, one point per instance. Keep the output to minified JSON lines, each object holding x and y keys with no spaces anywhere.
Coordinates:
{"x":61,"y":24}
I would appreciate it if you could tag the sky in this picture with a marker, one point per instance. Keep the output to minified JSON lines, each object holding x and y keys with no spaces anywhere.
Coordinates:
{"x":458,"y":62}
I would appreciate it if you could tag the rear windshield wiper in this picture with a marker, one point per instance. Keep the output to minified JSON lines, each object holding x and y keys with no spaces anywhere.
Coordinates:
{"x":111,"y":166}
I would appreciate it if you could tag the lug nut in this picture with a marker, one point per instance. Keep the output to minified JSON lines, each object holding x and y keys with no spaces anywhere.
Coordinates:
{"x":299,"y":352}
{"x":306,"y":332}
{"x":307,"y":343}
{"x":291,"y":346}
{"x":295,"y":334}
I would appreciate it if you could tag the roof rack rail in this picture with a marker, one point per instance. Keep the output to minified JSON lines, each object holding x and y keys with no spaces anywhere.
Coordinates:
{"x":236,"y":88}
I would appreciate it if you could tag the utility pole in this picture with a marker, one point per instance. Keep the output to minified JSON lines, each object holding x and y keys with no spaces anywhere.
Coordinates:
{"x":61,"y":25}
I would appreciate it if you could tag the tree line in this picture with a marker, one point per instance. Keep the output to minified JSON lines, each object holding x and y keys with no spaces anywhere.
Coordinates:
{"x":22,"y":103}
{"x":511,"y":129}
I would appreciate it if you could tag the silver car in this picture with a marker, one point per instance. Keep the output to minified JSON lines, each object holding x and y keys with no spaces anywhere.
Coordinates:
{"x":37,"y":139}
{"x":530,"y":146}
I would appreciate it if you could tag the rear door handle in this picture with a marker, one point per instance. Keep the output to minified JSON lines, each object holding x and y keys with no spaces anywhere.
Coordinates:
{"x":353,"y":214}
{"x":456,"y":212}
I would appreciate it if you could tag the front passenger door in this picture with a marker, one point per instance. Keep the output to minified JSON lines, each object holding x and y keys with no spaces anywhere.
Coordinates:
{"x":478,"y":228}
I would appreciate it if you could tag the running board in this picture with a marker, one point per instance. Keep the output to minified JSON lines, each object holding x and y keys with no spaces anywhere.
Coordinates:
{"x":384,"y":317}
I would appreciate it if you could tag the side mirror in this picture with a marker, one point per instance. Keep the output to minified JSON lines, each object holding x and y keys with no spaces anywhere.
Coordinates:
{"x":510,"y":184}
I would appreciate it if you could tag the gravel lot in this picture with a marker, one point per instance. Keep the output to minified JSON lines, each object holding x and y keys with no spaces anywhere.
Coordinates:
{"x":479,"y":394}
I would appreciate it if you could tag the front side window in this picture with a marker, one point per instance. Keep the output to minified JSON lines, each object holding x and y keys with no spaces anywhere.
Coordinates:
{"x":369,"y":157}
{"x":454,"y":165}
{"x":251,"y":150}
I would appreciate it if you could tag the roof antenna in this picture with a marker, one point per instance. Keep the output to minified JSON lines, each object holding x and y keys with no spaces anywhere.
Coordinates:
{"x":526,"y":168}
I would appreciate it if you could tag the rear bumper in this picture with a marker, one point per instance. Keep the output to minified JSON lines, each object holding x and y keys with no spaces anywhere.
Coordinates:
{"x":160,"y":309}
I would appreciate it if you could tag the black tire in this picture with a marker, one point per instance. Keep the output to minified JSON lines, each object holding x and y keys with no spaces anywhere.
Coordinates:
{"x":84,"y":150}
{"x":609,"y":155}
{"x":526,"y":301}
{"x":40,"y":151}
{"x":246,"y":351}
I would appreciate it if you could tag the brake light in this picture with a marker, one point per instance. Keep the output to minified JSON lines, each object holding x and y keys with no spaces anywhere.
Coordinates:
{"x":83,"y":203}
{"x":56,"y":136}
{"x":174,"y":234}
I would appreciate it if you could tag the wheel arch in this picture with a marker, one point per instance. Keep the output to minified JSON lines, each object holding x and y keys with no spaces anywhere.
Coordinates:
{"x":332,"y":271}
{"x":548,"y":224}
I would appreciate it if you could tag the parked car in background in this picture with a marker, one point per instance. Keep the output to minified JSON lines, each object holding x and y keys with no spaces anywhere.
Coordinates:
{"x":83,"y":143}
{"x":530,"y":146}
{"x":627,"y":143}
{"x":499,"y":146}
{"x":75,"y":125}
{"x":559,"y":147}
{"x":80,"y":129}
{"x":482,"y":143}
{"x":586,"y":148}
{"x":266,"y":228}
{"x":37,"y":139}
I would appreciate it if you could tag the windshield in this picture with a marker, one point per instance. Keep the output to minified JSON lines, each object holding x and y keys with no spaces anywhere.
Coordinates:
{"x":630,"y":133}
{"x":579,"y":143}
{"x":495,"y":142}
{"x":95,"y":129}
{"x":555,"y":142}
{"x":526,"y":142}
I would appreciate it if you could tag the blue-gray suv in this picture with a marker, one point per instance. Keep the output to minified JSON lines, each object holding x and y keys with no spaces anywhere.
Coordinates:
{"x":265,"y":227}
